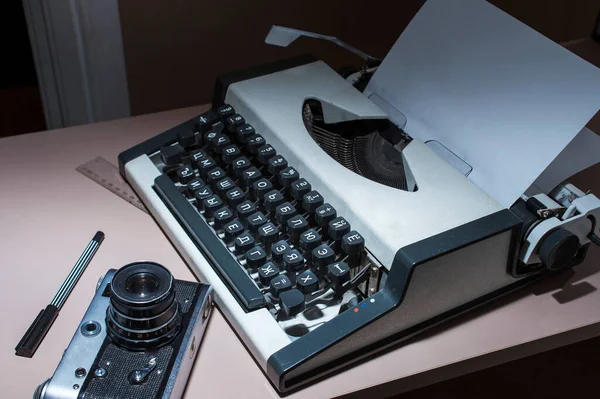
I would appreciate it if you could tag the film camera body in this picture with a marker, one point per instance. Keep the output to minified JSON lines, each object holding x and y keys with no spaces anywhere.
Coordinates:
{"x":138,"y":338}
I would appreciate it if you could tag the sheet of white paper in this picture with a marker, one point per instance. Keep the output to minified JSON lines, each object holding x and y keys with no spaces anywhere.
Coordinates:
{"x":501,"y":96}
{"x":581,"y":153}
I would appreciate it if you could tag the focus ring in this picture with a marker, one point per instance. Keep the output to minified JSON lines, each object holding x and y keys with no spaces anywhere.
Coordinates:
{"x":143,"y":339}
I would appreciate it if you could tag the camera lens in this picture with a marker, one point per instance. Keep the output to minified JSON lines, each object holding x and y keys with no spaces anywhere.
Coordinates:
{"x":143,"y":313}
{"x":142,"y":284}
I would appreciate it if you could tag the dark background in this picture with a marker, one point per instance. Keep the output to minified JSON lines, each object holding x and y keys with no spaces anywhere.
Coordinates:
{"x":20,"y":104}
{"x":17,"y":69}
{"x":174,"y":50}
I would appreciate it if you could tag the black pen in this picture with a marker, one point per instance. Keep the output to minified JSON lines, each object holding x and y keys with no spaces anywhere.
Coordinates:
{"x":42,"y":323}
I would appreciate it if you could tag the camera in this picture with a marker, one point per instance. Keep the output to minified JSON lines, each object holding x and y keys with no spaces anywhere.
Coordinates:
{"x":138,"y":338}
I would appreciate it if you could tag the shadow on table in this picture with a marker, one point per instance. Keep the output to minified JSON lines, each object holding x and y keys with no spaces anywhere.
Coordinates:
{"x":566,"y":372}
{"x":568,"y":287}
{"x":569,"y":284}
{"x":573,"y":291}
{"x":507,"y":380}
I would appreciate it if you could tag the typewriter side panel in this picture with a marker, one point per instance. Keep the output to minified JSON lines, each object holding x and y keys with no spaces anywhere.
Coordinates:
{"x":431,"y":281}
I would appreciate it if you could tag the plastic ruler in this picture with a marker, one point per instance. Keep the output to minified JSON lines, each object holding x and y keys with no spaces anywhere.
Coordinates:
{"x":107,"y":175}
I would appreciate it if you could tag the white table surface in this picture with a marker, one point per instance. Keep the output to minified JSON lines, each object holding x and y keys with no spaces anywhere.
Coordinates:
{"x":49,"y":212}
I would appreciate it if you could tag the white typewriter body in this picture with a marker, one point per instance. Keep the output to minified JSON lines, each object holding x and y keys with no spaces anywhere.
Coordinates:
{"x":388,"y":218}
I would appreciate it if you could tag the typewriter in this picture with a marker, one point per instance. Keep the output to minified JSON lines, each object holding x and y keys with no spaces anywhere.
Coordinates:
{"x":328,"y":231}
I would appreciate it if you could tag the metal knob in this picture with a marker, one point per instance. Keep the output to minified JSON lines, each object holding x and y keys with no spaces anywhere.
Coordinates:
{"x":558,"y":249}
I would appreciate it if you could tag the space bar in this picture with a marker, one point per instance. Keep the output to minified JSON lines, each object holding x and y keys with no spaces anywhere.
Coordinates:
{"x":211,"y":245}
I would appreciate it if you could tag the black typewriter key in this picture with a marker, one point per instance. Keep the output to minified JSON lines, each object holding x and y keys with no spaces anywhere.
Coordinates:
{"x":224,"y":185}
{"x":322,"y":256}
{"x":255,"y":257}
{"x":214,"y":175}
{"x":267,"y":272}
{"x":283,"y":213}
{"x":185,"y":174}
{"x":209,"y":137}
{"x":287,"y":176}
{"x":265,"y":153}
{"x":353,"y":244}
{"x":235,"y":196}
{"x":197,"y":139}
{"x":279,"y":249}
{"x":325,"y":214}
{"x":268,"y":234}
{"x":296,"y":225}
{"x":211,"y":204}
{"x":256,"y":220}
{"x":186,"y":159}
{"x":338,"y":273}
{"x":225,"y":111}
{"x":221,"y":217}
{"x":277,"y":164}
{"x":206,"y":165}
{"x":233,"y":229}
{"x":200,"y":195}
{"x":307,"y":282}
{"x":292,"y":302}
{"x":279,"y":284}
{"x":244,"y":132}
{"x":233,"y":122}
{"x":230,"y":153}
{"x":203,"y":124}
{"x":293,"y":261}
{"x":311,"y":201}
{"x":272,"y":199}
{"x":300,"y":188}
{"x":239,"y":165}
{"x":195,"y":184}
{"x":243,"y":242}
{"x":260,"y":188}
{"x":337,"y":228}
{"x":186,"y":138}
{"x":254,"y":143}
{"x":308,"y":241}
{"x":244,"y":210}
{"x":219,"y":143}
{"x":171,"y":155}
{"x":196,"y":157}
{"x":250,"y":175}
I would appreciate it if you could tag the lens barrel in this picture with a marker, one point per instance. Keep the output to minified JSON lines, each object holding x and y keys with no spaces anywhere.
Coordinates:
{"x":143,"y":313}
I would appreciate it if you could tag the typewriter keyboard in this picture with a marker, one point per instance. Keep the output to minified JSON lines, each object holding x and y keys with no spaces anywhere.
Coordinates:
{"x":274,"y":239}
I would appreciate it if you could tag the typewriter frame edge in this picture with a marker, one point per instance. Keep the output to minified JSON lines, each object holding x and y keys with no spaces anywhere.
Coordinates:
{"x":281,"y":363}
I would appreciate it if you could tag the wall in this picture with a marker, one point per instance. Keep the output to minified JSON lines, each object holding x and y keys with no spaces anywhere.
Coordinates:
{"x":174,"y":50}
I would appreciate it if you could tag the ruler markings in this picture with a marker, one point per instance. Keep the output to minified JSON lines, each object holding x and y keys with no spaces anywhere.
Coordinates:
{"x":107,"y":175}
